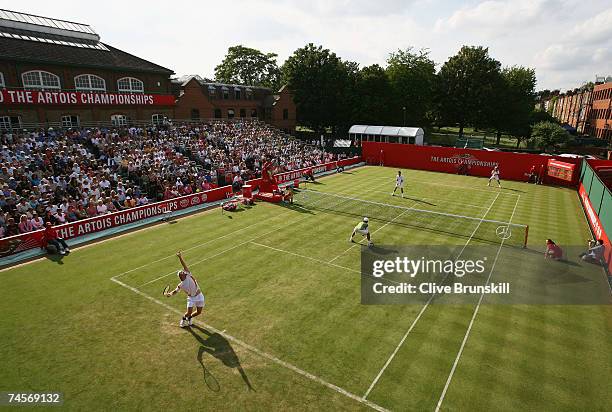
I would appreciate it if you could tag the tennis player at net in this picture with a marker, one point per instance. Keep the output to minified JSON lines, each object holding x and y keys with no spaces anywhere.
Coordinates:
{"x":362,"y":228}
{"x":189,"y":285}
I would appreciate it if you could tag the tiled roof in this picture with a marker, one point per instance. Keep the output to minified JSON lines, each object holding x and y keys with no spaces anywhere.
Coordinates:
{"x":39,"y":52}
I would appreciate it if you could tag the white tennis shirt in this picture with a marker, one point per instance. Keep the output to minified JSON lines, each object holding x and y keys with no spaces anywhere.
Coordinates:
{"x":189,"y":285}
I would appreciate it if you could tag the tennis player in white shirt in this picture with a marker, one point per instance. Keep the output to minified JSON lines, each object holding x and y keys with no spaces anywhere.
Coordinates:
{"x":189,"y":285}
{"x":494,"y":176}
{"x":399,"y":183}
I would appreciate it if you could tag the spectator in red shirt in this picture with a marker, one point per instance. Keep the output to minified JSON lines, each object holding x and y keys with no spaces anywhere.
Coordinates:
{"x":552,"y":250}
{"x":50,"y":237}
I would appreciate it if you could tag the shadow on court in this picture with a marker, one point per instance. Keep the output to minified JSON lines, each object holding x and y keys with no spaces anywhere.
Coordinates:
{"x":219,"y":347}
{"x":513,"y":190}
{"x":295,"y":207}
{"x":55,"y":257}
{"x":414,"y":199}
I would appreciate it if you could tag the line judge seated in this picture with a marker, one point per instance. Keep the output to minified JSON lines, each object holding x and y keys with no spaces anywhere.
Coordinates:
{"x":595,"y":252}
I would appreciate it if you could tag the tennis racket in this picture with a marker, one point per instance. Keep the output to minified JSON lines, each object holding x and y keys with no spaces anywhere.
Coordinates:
{"x":166,"y":289}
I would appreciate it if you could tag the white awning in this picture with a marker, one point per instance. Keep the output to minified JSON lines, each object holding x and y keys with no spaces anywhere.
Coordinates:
{"x":386,"y":130}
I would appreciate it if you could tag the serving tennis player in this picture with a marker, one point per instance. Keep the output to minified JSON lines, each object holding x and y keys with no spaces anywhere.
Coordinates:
{"x":362,"y":228}
{"x":399,"y":183}
{"x":189,"y":285}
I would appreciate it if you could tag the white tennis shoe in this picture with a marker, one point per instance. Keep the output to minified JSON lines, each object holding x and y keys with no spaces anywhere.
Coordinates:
{"x":183,"y":323}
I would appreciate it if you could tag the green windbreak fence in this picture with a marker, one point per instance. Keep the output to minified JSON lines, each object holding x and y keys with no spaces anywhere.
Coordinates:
{"x":599,"y":194}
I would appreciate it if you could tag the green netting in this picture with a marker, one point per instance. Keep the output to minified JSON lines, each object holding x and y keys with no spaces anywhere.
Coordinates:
{"x":605,"y":213}
{"x":596,"y":194}
{"x":587,"y":176}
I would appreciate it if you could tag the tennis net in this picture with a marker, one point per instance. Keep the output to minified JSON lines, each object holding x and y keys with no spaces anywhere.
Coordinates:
{"x":490,"y":231}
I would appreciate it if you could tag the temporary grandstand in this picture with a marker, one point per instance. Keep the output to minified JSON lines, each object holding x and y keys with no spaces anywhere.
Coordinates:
{"x":387,"y":134}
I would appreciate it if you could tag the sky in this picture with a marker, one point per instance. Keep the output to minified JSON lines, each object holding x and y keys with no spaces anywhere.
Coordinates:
{"x":567,"y":42}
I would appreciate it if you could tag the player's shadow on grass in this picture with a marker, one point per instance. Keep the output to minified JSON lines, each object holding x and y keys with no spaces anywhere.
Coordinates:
{"x":414,"y":199}
{"x":219,"y":347}
{"x":55,"y":257}
{"x":295,"y":207}
{"x":513,"y":190}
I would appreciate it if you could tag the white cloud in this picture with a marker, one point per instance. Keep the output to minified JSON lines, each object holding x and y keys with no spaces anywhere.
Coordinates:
{"x":498,"y":16}
{"x":193,"y":37}
{"x":584,"y":50}
{"x":597,"y":29}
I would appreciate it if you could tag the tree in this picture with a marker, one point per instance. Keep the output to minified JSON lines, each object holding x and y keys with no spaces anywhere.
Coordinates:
{"x":371,"y":97}
{"x":516,"y":102}
{"x":541,"y":115}
{"x":319,"y":81}
{"x":411,"y":76}
{"x":243,"y":65}
{"x":468,"y":84}
{"x":549,"y":135}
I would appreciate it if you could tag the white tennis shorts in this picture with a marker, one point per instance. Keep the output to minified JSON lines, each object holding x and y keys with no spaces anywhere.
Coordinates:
{"x":197,"y":301}
{"x":363,"y":231}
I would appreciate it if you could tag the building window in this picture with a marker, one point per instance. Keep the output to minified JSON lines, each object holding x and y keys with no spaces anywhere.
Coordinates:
{"x":2,"y":84}
{"x":253,"y":112}
{"x":285,"y":114}
{"x":218,"y":114}
{"x":158,"y":119}
{"x":10,"y":122}
{"x":230,"y":113}
{"x":89,"y":83}
{"x":225,"y":93}
{"x":130,"y":85}
{"x":237,"y":93}
{"x":119,"y":120}
{"x":211,"y":91}
{"x":195,"y":114}
{"x":249,"y":94}
{"x":242,"y":113}
{"x":37,"y":79}
{"x":70,"y":121}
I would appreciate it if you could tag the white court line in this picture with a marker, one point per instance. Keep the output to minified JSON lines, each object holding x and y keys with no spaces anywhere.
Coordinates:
{"x":221,"y":252}
{"x":441,"y":201}
{"x":375,"y":231}
{"x":199,"y":245}
{"x":326,"y":263}
{"x":467,"y":333}
{"x":427,"y":182}
{"x":307,"y":257}
{"x":260,"y":352}
{"x":225,"y":250}
{"x":414,"y":322}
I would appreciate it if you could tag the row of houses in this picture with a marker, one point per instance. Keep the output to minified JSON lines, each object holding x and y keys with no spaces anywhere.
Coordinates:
{"x":59,"y":73}
{"x":587,"y":109}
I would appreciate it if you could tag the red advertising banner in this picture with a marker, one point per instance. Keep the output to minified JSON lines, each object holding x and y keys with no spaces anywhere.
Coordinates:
{"x":63,"y":98}
{"x":298,"y":173}
{"x":19,"y":243}
{"x":595,"y":224}
{"x":561,"y":170}
{"x":513,"y":166}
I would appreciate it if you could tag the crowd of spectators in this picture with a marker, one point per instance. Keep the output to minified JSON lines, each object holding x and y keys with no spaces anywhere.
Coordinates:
{"x":64,"y":176}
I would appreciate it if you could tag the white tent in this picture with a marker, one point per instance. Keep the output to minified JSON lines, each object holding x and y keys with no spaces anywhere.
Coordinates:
{"x":389,"y":134}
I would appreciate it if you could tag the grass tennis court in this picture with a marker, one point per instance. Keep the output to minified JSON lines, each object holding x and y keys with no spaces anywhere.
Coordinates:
{"x":283,"y":327}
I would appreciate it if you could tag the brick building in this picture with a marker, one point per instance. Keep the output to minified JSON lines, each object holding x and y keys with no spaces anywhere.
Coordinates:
{"x":587,"y":109}
{"x":600,"y":119}
{"x":58,"y":73}
{"x":199,"y":98}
